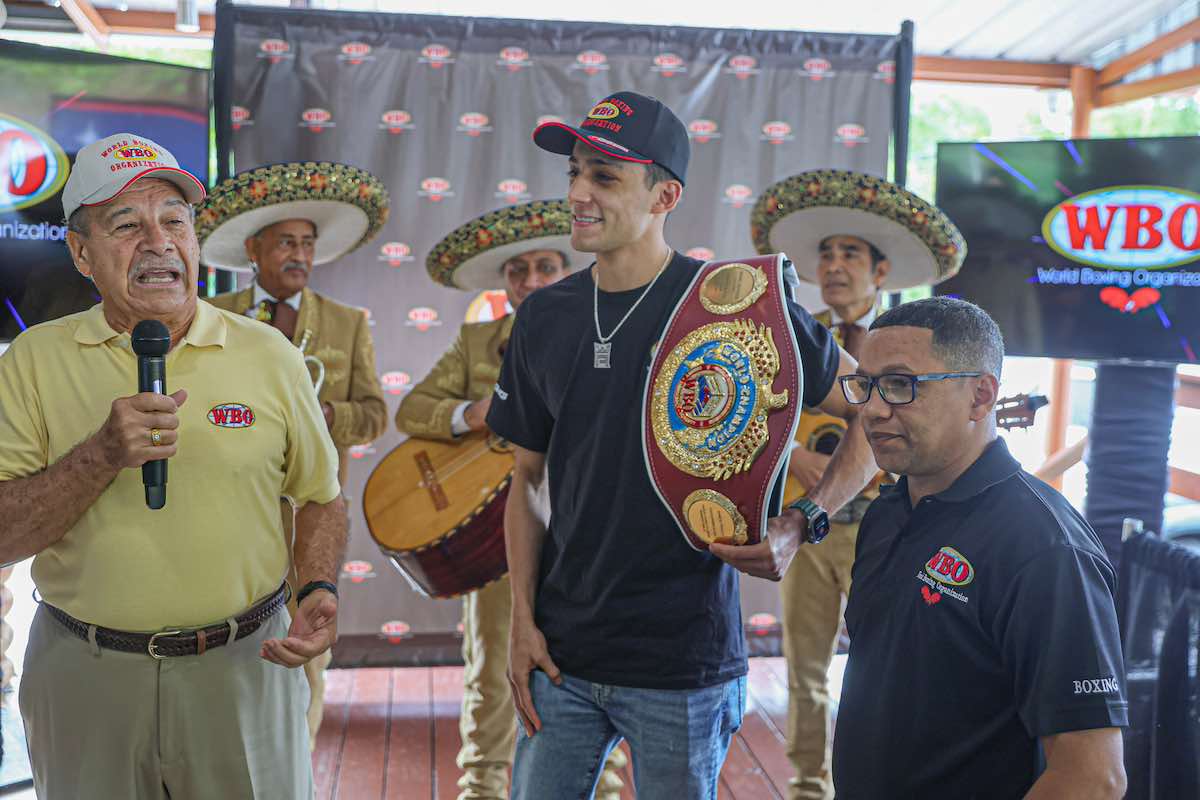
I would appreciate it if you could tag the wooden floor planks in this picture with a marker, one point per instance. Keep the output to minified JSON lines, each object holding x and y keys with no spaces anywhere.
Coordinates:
{"x":392,"y":734}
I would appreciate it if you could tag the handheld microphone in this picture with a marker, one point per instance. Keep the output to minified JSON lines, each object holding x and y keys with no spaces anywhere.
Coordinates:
{"x":151,"y":341}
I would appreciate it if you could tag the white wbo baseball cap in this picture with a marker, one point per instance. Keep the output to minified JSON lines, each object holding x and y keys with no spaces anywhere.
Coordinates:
{"x":107,"y":167}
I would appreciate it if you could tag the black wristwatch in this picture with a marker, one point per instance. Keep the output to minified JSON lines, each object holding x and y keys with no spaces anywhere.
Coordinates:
{"x":818,"y":520}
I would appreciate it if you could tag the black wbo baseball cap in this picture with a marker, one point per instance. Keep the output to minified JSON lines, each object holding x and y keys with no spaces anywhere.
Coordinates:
{"x":627,"y":126}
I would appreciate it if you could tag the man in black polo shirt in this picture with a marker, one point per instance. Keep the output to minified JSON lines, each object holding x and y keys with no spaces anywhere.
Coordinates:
{"x":981,"y":611}
{"x":620,"y":628}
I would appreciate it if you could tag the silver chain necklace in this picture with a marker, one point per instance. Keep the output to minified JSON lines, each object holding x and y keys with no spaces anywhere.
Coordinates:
{"x":602,"y":348}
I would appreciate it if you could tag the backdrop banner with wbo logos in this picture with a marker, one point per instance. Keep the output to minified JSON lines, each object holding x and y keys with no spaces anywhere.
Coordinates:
{"x":442,"y":109}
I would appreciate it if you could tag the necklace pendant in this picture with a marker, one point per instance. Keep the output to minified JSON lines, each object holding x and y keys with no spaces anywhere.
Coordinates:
{"x":602,"y":355}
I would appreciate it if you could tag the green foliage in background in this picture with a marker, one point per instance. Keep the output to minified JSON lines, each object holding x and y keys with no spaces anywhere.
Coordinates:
{"x":1154,"y":116}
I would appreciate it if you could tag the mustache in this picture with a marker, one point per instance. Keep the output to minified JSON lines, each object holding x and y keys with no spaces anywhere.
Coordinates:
{"x":295,"y":265}
{"x":152,"y":263}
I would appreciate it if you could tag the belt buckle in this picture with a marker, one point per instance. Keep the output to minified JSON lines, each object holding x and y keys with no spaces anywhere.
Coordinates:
{"x":151,"y":645}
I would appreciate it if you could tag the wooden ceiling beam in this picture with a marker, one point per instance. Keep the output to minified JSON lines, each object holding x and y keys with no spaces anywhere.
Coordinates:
{"x":88,"y":20}
{"x":1183,"y":35}
{"x":1138,"y":90}
{"x":1187,"y":393}
{"x":992,"y":71}
{"x":1185,"y":483}
{"x":152,"y":23}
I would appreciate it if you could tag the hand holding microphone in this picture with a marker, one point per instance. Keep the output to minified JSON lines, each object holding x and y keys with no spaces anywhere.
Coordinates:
{"x":142,"y":430}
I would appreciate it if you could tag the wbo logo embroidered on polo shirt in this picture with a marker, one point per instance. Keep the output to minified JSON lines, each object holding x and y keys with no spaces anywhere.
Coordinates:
{"x":231,"y":415}
{"x":950,"y":566}
{"x":946,"y":570}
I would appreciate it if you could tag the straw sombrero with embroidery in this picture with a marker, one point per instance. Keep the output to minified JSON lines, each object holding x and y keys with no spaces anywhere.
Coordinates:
{"x":348,"y":205}
{"x":921,"y":243}
{"x":472,"y":256}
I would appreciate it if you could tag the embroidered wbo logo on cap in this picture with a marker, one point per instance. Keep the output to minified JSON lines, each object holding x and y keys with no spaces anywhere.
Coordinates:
{"x":109,"y":166}
{"x":634,"y":128}
{"x":605,"y":110}
{"x":134,"y":154}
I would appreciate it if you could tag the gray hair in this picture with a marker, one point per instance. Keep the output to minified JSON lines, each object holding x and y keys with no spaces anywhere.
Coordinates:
{"x":965,"y":338}
{"x":80,"y":222}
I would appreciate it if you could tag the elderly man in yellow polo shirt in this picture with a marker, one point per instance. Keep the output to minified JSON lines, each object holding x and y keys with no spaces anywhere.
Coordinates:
{"x":157,"y":664}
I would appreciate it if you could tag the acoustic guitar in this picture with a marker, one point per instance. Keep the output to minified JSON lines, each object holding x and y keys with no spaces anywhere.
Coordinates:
{"x":821,"y":433}
{"x":436,"y":509}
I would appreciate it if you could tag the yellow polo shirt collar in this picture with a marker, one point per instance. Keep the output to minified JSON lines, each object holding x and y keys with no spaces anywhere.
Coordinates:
{"x":207,"y":329}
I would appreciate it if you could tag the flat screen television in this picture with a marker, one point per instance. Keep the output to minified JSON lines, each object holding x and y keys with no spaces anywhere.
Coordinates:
{"x":1088,"y":248}
{"x":52,"y":103}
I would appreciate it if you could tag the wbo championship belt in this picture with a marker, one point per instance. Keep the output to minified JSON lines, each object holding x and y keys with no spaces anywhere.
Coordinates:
{"x":722,"y":402}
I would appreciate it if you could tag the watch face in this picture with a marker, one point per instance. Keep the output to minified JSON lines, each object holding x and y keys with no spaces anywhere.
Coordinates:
{"x":818,"y":528}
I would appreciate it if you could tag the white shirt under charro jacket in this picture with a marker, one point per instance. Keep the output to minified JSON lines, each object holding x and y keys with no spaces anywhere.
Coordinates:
{"x":261,"y":294}
{"x":865,"y":320}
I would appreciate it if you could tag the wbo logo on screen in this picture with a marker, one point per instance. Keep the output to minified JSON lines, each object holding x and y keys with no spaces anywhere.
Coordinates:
{"x":32,"y":165}
{"x":1127,"y":227}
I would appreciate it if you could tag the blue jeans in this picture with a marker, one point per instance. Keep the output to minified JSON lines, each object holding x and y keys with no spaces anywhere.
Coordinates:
{"x":678,"y":738}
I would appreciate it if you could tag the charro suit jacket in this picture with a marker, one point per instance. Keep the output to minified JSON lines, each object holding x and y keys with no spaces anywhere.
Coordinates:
{"x":467,"y":371}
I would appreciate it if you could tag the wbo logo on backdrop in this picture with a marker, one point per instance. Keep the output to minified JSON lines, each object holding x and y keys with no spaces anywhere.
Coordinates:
{"x":396,"y":121}
{"x":738,"y":195}
{"x":742,"y":66}
{"x":703,"y":131}
{"x":396,"y":382}
{"x":317,"y":119}
{"x":777,"y":132}
{"x":851,"y":134}
{"x":435,"y":189}
{"x":669,"y":65}
{"x":817,"y":69}
{"x":33,"y":168}
{"x":512,"y":190}
{"x":422,"y":318}
{"x":591,"y":62}
{"x":395,"y":254}
{"x":355,"y":53}
{"x":275,"y":50}
{"x":514,"y":59}
{"x":241,"y":117}
{"x":474,"y":123}
{"x":436,"y":56}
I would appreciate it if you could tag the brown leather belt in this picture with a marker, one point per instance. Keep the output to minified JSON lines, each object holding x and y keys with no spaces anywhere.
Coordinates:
{"x":169,"y":644}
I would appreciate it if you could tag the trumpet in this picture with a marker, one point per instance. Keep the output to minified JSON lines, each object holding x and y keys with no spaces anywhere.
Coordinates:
{"x":316,"y":368}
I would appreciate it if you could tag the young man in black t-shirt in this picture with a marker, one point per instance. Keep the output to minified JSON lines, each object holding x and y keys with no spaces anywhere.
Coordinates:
{"x":620,"y":628}
{"x":983,"y":633}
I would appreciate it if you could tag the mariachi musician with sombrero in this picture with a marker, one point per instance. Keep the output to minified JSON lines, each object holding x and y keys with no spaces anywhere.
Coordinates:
{"x":279,"y":222}
{"x":519,"y":249}
{"x":856,"y":236}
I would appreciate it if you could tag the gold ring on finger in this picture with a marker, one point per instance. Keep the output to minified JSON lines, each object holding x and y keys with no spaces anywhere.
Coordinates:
{"x":155,"y":437}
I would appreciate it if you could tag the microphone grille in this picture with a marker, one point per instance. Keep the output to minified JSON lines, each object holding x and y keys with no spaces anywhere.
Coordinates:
{"x":151,"y":338}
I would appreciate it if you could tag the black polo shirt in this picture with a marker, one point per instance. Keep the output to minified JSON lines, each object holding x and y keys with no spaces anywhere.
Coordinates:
{"x":979,"y":621}
{"x":622,"y":598}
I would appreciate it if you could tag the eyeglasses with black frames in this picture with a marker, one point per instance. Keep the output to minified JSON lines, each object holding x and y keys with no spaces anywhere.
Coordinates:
{"x":895,"y":388}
